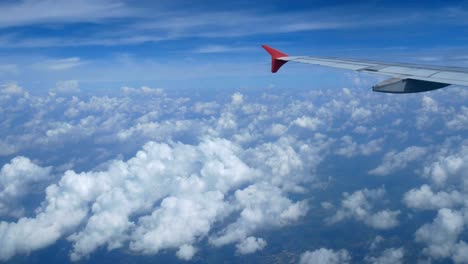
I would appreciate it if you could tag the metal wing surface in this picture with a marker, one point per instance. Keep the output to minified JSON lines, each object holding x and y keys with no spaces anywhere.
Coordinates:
{"x":405,"y":78}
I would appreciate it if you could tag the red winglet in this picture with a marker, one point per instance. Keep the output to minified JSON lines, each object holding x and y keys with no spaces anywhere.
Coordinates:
{"x":275,"y":54}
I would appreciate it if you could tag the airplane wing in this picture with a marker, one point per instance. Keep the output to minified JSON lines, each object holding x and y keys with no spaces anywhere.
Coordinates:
{"x":404,"y":78}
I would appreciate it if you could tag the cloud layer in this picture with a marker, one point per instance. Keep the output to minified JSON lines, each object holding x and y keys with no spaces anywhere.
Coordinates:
{"x":168,"y":171}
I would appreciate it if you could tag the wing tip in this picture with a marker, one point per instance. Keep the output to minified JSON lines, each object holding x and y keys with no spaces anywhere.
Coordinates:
{"x":275,"y":54}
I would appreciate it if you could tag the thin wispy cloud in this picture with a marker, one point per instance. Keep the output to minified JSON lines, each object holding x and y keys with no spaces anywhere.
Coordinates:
{"x":220,"y":49}
{"x":162,"y":24}
{"x":61,"y":64}
{"x":28,"y":12}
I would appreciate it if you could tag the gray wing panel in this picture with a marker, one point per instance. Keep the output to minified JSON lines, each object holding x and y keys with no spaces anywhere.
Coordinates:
{"x":440,"y":74}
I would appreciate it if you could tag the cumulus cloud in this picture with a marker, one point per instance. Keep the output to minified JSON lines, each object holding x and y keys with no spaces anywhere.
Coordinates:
{"x":12,"y":89}
{"x":307,"y":122}
{"x":237,"y":98}
{"x":278,"y":129}
{"x":186,"y":252}
{"x":388,"y":256}
{"x":219,"y":172}
{"x":360,"y":114}
{"x":460,"y":252}
{"x":261,"y":205}
{"x":325,"y":256}
{"x":347,"y":147}
{"x":206,"y":108}
{"x":449,"y":167}
{"x":17,"y":179}
{"x":394,"y":161}
{"x":424,"y":117}
{"x":193,"y":184}
{"x":425,"y":198}
{"x":250,"y":245}
{"x":447,"y":193}
{"x":441,"y":235}
{"x":429,"y":104}
{"x":360,"y":206}
{"x":460,"y":120}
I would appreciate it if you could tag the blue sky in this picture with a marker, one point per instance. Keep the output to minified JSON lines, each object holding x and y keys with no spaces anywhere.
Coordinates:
{"x":153,"y":131}
{"x":171,"y":44}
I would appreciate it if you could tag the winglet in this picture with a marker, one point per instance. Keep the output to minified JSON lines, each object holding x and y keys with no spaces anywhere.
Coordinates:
{"x":275,"y":54}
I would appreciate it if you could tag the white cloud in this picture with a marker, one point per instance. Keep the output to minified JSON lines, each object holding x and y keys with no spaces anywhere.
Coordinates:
{"x":394,"y":161}
{"x":61,"y":64}
{"x":441,"y":235}
{"x":192,"y":183}
{"x":311,"y":123}
{"x":165,"y":23}
{"x":186,"y":252}
{"x":277,"y":129}
{"x":449,"y":167}
{"x":376,"y":242}
{"x":261,"y":205}
{"x":429,"y":104}
{"x":59,"y":130}
{"x":327,"y":205}
{"x":12,"y":89}
{"x":67,"y":87}
{"x":46,"y":11}
{"x":360,"y":114}
{"x":388,"y":256}
{"x":447,"y":193}
{"x":237,"y":99}
{"x":143,"y":90}
{"x":17,"y":179}
{"x":360,"y":206}
{"x":347,"y":147}
{"x":250,"y":245}
{"x":227,"y":121}
{"x":425,"y":198}
{"x":207,"y":49}
{"x":460,"y":252}
{"x":178,"y":221}
{"x":384,"y":219}
{"x":65,"y":207}
{"x":216,"y":173}
{"x":325,"y":256}
{"x":206,"y":108}
{"x":460,"y":120}
{"x":7,"y":149}
{"x":371,"y":147}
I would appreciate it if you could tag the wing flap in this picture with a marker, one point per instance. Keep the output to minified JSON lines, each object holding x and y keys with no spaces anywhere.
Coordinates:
{"x":452,"y":75}
{"x":408,"y":71}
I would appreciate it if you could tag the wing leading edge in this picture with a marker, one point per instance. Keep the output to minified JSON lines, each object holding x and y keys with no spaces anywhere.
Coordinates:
{"x":405,"y":78}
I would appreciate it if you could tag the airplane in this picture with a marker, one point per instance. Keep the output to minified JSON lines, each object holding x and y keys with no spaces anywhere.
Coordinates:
{"x":405,"y":78}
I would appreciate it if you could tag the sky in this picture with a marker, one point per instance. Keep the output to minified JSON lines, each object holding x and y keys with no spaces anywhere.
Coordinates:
{"x":108,"y":43}
{"x":154,"y":131}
